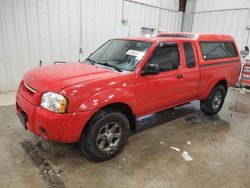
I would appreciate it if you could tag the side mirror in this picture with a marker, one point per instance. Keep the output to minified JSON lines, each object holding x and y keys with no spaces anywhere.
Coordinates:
{"x":245,"y":52}
{"x":150,"y":69}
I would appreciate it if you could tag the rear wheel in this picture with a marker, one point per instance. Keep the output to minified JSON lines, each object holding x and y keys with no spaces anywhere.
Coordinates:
{"x":213,"y":103}
{"x":105,"y":135}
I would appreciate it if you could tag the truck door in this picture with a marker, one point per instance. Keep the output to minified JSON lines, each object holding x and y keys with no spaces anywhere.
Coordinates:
{"x":156,"y":92}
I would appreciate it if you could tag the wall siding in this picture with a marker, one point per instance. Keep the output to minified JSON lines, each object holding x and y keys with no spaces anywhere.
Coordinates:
{"x":50,"y":30}
{"x":34,"y":30}
{"x":232,"y":22}
{"x":225,"y":16}
{"x":102,"y":21}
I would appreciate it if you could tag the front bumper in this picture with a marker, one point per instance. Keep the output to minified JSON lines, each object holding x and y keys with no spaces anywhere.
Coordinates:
{"x":50,"y":125}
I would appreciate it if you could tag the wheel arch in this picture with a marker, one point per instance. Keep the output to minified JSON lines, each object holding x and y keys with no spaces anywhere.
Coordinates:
{"x":117,"y":106}
{"x":222,"y":82}
{"x":211,"y":86}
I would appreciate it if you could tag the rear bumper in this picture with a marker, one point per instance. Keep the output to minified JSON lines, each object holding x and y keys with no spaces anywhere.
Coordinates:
{"x":52,"y":126}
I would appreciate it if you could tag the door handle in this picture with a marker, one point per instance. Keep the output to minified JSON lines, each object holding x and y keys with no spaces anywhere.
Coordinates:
{"x":179,"y":76}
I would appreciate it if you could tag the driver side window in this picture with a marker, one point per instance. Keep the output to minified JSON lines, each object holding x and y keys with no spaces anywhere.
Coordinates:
{"x":166,"y":56}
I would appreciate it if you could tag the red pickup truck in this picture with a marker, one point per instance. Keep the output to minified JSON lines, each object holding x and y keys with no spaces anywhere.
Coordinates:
{"x":96,"y":102}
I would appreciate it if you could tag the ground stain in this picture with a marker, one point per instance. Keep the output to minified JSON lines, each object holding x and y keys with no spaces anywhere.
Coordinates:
{"x":198,"y":119}
{"x":47,"y":172}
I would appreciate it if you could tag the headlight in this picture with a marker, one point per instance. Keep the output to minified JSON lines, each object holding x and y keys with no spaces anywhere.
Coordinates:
{"x":54,"y":102}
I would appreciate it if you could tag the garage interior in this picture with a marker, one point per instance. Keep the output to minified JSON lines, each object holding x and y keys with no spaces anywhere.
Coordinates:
{"x":35,"y":33}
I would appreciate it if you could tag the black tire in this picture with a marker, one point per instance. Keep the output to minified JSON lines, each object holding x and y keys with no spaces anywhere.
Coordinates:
{"x":92,"y":139}
{"x":209,"y":106}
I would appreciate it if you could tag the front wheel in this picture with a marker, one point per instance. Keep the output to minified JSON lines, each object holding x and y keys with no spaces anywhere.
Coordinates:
{"x":213,"y":103}
{"x":105,"y":135}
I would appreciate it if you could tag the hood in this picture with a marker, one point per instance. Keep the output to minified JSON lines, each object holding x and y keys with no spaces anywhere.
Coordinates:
{"x":58,"y":76}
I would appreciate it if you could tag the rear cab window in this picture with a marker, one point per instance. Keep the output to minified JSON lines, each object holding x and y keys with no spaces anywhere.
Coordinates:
{"x":218,"y":50}
{"x":189,"y":54}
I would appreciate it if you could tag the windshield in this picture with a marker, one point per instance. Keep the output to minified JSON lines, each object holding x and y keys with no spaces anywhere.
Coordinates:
{"x":120,"y":54}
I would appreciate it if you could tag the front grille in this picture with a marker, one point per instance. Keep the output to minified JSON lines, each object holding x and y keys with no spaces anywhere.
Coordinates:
{"x":29,"y":93}
{"x":29,"y":88}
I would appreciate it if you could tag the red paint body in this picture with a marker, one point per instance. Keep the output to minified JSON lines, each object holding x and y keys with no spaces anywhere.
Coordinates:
{"x":89,"y":88}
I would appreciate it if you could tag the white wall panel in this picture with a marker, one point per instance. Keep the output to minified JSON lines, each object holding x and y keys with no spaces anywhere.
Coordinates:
{"x":232,"y":22}
{"x":34,"y":30}
{"x":212,"y":5}
{"x":102,"y":20}
{"x":224,"y":16}
{"x":167,"y":4}
{"x":50,"y":30}
{"x":171,"y":21}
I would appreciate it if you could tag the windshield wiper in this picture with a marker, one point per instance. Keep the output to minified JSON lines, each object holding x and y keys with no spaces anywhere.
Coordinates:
{"x":91,"y":61}
{"x":112,"y":66}
{"x":105,"y":64}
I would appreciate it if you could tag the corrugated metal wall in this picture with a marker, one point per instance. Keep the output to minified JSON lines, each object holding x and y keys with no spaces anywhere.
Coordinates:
{"x":233,"y":22}
{"x":34,"y":30}
{"x":49,"y":30}
{"x":226,"y":17}
{"x":102,"y":21}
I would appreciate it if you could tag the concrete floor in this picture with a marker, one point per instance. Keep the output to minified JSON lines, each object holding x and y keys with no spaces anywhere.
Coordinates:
{"x":219,"y":146}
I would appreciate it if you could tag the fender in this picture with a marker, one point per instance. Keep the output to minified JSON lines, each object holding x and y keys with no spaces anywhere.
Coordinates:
{"x":108,"y":96}
{"x":216,"y":77}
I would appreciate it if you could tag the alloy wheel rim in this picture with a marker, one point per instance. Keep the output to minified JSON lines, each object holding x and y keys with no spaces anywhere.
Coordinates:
{"x":217,"y":100}
{"x":109,"y":137}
